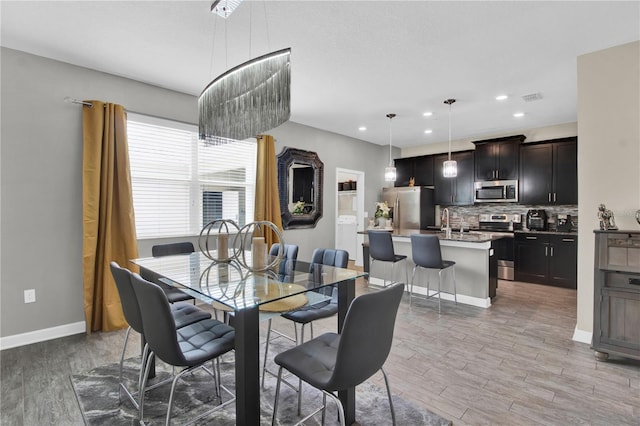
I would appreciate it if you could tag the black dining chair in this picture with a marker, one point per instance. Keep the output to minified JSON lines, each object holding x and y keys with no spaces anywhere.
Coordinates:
{"x":333,"y":362}
{"x":381,"y":248}
{"x":314,"y":311}
{"x":183,"y":314}
{"x":173,"y":294}
{"x":426,"y":253}
{"x":189,"y":347}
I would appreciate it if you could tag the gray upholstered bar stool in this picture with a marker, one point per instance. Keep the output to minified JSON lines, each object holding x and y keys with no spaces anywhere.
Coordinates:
{"x":426,"y":253}
{"x":381,"y":248}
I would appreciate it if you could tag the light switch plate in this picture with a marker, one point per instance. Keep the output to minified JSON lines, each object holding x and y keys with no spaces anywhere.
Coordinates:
{"x":30,"y":295}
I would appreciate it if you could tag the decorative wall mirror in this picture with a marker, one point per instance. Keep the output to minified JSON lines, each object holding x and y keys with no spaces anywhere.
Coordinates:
{"x":300,"y":177}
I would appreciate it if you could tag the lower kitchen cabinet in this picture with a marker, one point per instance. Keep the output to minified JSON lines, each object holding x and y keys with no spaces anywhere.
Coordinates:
{"x":546,"y":259}
{"x":616,"y":291}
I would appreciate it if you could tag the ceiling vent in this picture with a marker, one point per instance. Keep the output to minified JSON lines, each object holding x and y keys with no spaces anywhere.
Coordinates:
{"x":532,"y":97}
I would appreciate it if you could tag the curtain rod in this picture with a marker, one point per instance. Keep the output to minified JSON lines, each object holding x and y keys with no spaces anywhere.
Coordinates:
{"x":71,"y":100}
{"x":77,"y":101}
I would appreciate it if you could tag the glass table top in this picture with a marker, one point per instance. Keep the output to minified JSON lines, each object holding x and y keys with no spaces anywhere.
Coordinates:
{"x":236,"y":287}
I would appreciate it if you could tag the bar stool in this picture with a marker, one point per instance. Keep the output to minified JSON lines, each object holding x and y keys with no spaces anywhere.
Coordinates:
{"x":426,"y":253}
{"x":381,"y":248}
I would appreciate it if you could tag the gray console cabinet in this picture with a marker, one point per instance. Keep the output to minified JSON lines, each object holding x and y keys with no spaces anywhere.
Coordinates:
{"x":616,"y":316}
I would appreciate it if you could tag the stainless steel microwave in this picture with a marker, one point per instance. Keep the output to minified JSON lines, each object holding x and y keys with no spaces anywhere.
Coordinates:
{"x":496,"y":191}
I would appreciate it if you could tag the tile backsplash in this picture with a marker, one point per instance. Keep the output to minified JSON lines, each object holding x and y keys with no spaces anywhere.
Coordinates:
{"x":469,"y":214}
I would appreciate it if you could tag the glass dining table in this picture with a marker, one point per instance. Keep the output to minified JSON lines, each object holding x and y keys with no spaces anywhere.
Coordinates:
{"x":249,"y":295}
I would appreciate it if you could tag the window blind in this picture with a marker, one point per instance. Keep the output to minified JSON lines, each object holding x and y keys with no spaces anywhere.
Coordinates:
{"x":181,"y":183}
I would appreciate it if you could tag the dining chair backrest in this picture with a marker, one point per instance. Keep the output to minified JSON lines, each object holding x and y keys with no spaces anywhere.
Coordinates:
{"x":158,"y":323}
{"x":128,"y":298}
{"x":381,"y":246}
{"x":366,"y":337}
{"x":183,"y":247}
{"x":289,"y":258}
{"x":425,"y":250}
{"x":331,"y":257}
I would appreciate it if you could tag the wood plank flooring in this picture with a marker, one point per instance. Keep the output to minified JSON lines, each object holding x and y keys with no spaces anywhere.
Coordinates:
{"x":512,"y":364}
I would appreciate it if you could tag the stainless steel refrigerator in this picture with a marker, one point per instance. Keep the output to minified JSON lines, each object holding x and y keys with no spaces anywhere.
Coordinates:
{"x":412,"y":207}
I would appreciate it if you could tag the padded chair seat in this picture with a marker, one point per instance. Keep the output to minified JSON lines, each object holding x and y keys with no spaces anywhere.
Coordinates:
{"x":447,"y":263}
{"x":186,"y":313}
{"x":398,"y":257}
{"x":314,"y":360}
{"x":174,"y":295}
{"x":309,"y":313}
{"x":204,"y":339}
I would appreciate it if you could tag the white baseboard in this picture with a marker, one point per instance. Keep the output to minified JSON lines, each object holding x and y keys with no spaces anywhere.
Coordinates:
{"x":464,"y":299}
{"x":22,"y":339}
{"x":582,"y":336}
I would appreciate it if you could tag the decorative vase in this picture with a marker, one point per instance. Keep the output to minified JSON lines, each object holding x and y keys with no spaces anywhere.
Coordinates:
{"x":382,"y":222}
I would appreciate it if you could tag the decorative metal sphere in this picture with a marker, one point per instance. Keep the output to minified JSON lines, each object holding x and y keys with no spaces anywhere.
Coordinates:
{"x":245,"y":241}
{"x":216,"y":234}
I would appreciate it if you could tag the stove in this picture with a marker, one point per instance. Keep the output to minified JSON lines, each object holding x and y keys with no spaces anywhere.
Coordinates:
{"x":499,"y":222}
{"x":506,"y":223}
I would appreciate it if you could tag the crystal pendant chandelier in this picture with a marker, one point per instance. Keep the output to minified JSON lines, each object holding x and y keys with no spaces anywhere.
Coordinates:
{"x":450,"y":167}
{"x":390,"y":170}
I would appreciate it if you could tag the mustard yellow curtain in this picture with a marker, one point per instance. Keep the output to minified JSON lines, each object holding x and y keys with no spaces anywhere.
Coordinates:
{"x":267,"y":203}
{"x":109,"y":232}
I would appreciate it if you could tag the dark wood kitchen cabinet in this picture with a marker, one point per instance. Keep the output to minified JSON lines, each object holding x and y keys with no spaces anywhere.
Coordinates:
{"x":420,"y":168}
{"x":616,"y":291}
{"x":546,"y":259}
{"x":497,"y":159}
{"x":549,"y":172}
{"x":405,"y":170}
{"x":454,"y":191}
{"x":424,"y":170}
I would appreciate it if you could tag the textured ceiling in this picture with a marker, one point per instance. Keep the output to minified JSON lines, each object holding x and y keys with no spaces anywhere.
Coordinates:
{"x":352,"y":61}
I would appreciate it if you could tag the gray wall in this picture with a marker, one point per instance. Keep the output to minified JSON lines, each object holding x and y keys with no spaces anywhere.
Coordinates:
{"x":41,"y":180}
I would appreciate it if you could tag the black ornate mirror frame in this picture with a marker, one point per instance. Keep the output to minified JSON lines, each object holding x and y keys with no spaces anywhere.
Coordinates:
{"x":286,"y":158}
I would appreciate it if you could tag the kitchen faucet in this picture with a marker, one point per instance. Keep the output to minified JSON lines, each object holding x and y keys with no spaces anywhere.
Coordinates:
{"x":447,"y":228}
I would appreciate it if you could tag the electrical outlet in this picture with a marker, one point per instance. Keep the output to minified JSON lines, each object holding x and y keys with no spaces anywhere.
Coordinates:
{"x":30,"y":295}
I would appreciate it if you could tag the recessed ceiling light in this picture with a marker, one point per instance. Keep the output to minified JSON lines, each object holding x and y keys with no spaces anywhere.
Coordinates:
{"x":428,"y":114}
{"x":362,"y":128}
{"x":501,"y":97}
{"x":518,"y":114}
{"x":428,"y":131}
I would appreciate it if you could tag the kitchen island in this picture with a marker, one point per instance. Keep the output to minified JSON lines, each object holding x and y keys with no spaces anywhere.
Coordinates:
{"x":476,"y":266}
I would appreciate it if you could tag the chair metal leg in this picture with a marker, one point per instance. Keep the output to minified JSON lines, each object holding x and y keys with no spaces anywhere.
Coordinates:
{"x":455,"y":292}
{"x":386,"y":382}
{"x":124,"y":347}
{"x":340,"y":408}
{"x":413,"y":276}
{"x":439,"y":288}
{"x":324,"y":407}
{"x":275,"y":402}
{"x":143,"y":383}
{"x":266,"y":351}
{"x":173,"y":388}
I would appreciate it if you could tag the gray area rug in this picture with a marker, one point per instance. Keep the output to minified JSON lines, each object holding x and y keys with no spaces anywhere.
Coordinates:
{"x":97,"y":393}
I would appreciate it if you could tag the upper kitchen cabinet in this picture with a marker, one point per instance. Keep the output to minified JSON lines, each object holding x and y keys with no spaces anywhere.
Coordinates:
{"x":419,"y":168}
{"x":497,"y":159}
{"x":549,"y":172}
{"x":424,"y":170}
{"x":454,"y":191}
{"x":405,"y":170}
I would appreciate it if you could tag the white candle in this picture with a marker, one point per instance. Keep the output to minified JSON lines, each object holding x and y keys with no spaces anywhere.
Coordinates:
{"x":258,"y":252}
{"x":223,"y":246}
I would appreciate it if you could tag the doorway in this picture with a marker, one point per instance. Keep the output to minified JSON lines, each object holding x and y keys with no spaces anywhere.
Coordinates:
{"x":349,"y":214}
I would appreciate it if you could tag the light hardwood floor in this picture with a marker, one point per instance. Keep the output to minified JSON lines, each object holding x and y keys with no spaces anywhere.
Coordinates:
{"x":512,"y":364}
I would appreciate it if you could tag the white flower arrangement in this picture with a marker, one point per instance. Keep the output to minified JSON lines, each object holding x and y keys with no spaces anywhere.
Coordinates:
{"x":382,"y":209}
{"x":298,"y":208}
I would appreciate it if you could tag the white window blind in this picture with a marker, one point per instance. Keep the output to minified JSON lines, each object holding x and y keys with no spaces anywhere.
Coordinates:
{"x":181,"y":183}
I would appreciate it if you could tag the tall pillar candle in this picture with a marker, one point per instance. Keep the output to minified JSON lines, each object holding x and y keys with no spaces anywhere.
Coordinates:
{"x":223,"y":247}
{"x":258,"y":252}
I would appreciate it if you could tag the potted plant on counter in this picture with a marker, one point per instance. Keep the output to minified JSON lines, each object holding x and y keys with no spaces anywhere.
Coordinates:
{"x":382,"y":214}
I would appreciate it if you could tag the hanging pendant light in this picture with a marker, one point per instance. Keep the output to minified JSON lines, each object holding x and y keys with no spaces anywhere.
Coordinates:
{"x":450,"y":167}
{"x":390,"y":170}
